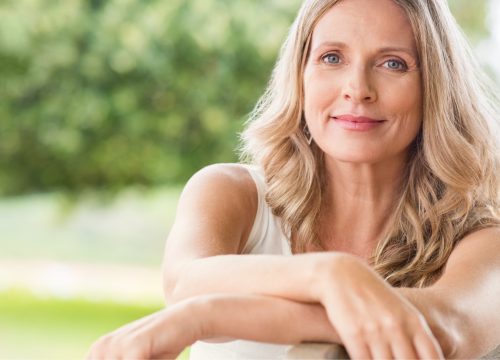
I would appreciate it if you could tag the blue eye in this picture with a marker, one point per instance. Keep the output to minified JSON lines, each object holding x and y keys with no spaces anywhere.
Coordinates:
{"x":396,"y":65}
{"x":331,"y":59}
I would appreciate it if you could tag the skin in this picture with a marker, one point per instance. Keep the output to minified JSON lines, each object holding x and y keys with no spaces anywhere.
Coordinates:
{"x":336,"y":296}
{"x":351,"y":71}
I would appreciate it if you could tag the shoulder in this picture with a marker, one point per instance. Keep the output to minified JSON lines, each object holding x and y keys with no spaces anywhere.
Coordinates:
{"x":227,"y":180}
{"x":214,"y":215}
{"x":221,"y":196}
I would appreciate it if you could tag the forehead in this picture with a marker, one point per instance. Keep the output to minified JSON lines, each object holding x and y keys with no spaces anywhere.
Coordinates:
{"x":370,"y":22}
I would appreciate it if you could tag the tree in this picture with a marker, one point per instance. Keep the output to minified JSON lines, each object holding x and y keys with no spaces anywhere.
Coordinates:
{"x":105,"y":94}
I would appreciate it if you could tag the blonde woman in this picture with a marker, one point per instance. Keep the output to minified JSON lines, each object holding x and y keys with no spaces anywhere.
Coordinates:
{"x":373,"y":161}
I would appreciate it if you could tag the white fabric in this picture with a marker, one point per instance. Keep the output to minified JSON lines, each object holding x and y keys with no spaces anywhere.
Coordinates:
{"x":266,"y":237}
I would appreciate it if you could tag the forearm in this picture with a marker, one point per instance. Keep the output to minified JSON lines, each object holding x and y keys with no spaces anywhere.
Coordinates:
{"x":442,"y":320}
{"x":263,"y":318}
{"x":291,"y":277}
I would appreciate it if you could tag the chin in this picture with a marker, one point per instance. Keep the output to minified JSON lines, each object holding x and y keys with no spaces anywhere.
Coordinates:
{"x":357,"y":159}
{"x":357,"y":156}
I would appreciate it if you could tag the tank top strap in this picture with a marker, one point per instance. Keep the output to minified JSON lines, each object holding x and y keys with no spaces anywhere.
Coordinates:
{"x":261,"y":222}
{"x":257,"y":175}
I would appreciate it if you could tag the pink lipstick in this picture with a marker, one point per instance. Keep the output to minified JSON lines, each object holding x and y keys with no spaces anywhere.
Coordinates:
{"x":356,"y":123}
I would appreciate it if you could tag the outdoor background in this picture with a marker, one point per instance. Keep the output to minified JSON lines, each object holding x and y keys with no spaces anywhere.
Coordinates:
{"x":106,"y":109}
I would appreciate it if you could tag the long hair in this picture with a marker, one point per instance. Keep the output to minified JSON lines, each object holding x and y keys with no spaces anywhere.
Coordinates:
{"x":452,"y":180}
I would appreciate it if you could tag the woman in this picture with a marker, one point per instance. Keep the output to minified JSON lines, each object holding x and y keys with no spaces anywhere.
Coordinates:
{"x":375,"y":164}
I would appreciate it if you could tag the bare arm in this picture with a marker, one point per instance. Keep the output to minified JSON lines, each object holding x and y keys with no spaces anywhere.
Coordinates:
{"x":166,"y":333}
{"x":296,"y":277}
{"x":265,"y":319}
{"x":463,"y":305}
{"x":214,"y":218}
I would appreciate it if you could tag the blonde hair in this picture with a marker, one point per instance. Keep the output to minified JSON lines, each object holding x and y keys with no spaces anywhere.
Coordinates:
{"x":452,"y":181}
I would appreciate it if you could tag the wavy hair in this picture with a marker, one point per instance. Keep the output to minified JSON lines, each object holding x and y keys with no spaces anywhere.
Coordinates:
{"x":452,"y":181}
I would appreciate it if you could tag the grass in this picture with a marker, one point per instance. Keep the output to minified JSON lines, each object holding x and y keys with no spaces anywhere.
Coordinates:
{"x":129,"y":230}
{"x":34,"y":327}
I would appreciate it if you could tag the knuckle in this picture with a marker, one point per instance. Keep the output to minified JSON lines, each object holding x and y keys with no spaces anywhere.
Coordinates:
{"x":355,"y":331}
{"x":393,"y":323}
{"x":372,"y":328}
{"x":134,"y":353}
{"x":133,"y":345}
{"x":98,"y":349}
{"x":100,"y":344}
{"x":417,"y":320}
{"x":107,"y":346}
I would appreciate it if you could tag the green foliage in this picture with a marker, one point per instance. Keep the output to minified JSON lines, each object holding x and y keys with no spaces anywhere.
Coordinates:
{"x":49,"y":328}
{"x":105,"y":94}
{"x":471,"y":16}
{"x":102,"y":95}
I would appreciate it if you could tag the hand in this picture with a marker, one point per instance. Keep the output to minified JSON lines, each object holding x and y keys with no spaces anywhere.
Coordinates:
{"x":163,"y":334}
{"x":372,"y":319}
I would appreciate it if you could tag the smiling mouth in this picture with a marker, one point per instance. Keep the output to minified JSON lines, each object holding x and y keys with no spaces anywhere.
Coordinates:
{"x":356,"y":119}
{"x":357,"y":123}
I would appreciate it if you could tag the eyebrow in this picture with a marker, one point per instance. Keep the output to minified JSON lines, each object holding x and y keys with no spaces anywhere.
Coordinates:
{"x":382,"y":49}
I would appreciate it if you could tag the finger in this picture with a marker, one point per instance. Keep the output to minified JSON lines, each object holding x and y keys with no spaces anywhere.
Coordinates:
{"x":404,"y":350}
{"x":381,"y":349}
{"x":356,"y":349}
{"x":427,"y":346}
{"x":378,"y":342}
{"x":402,"y":346}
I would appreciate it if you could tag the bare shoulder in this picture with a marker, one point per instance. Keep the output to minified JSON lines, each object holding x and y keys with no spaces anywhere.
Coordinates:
{"x":214,"y":216}
{"x":230,"y":182}
{"x":222,"y":200}
{"x":232,"y":174}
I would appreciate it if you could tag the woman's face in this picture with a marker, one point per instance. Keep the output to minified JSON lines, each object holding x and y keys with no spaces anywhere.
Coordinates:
{"x":363,"y":96}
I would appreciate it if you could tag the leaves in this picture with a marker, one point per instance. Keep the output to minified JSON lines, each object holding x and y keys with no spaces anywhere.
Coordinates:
{"x":105,"y":94}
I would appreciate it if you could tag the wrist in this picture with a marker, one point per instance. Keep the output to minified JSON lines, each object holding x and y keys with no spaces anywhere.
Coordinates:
{"x":190,"y":319}
{"x":202,"y":313}
{"x":326,"y":269}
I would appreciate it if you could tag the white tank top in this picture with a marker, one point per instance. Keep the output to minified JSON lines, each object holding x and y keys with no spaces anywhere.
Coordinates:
{"x":266,"y":237}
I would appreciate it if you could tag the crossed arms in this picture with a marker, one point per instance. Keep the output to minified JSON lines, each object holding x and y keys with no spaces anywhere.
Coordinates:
{"x":332,"y":297}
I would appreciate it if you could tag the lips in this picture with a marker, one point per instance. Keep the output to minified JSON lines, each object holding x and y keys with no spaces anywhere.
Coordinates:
{"x":356,"y":119}
{"x":357,"y":123}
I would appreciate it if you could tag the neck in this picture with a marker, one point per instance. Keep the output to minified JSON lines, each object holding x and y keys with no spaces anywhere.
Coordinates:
{"x":359,"y":202}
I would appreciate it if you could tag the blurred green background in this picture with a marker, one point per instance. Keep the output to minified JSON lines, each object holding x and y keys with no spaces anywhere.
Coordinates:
{"x":106,"y":109}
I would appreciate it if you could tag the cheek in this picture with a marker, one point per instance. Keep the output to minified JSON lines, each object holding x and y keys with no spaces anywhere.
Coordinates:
{"x":405,"y":101}
{"x":319,"y":92}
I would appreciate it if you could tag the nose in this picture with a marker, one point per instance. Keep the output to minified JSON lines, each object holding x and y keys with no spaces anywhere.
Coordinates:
{"x":358,"y":87}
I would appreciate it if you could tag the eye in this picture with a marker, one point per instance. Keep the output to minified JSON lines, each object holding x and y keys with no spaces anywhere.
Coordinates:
{"x":331,"y":58}
{"x":395,"y":64}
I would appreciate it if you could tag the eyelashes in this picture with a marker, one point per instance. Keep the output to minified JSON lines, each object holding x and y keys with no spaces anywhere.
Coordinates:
{"x":335,"y":58}
{"x":393,"y":64}
{"x":397,"y":65}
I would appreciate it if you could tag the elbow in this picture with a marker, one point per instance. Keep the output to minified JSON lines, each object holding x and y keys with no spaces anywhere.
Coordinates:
{"x":449,"y":342}
{"x":443,"y":318}
{"x":465,"y":342}
{"x":170,"y":287}
{"x":168,"y":291}
{"x":172,"y":295}
{"x":172,"y":284}
{"x":447,"y":332}
{"x":172,"y":292}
